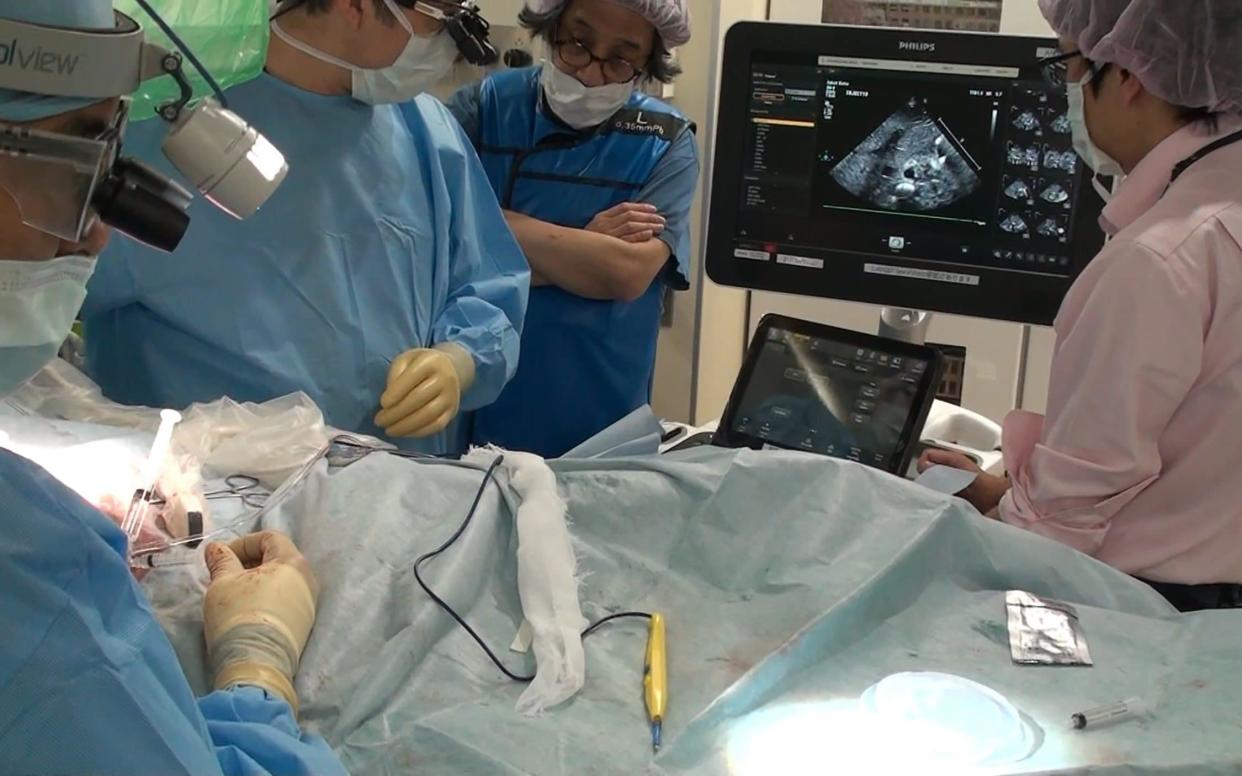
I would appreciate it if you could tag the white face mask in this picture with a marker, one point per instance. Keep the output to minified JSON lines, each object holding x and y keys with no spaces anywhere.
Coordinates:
{"x":419,"y":66}
{"x":39,"y":301}
{"x":1096,"y":159}
{"x":580,"y":106}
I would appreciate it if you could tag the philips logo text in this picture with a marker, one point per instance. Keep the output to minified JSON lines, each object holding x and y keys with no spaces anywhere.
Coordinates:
{"x":38,"y":59}
{"x":908,"y":45}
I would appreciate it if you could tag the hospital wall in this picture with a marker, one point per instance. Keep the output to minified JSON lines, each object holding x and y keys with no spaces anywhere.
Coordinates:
{"x":1007,"y":364}
{"x":700,"y":354}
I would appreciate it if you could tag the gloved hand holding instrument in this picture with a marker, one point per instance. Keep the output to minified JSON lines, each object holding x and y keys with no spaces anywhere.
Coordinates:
{"x":258,"y":613}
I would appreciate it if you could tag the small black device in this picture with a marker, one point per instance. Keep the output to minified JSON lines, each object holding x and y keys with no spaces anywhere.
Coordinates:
{"x":516,"y":58}
{"x":462,"y":20}
{"x":840,"y":393}
{"x":702,"y":439}
{"x":470,"y":31}
{"x":139,"y":201}
{"x":918,"y":169}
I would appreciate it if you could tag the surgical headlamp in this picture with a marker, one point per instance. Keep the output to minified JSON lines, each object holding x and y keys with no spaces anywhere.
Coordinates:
{"x":61,"y":182}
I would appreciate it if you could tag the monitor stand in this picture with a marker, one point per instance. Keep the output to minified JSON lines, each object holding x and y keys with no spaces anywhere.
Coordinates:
{"x":949,"y":427}
{"x":904,"y":325}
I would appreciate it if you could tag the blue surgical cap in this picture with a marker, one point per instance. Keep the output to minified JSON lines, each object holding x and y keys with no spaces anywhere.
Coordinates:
{"x":79,"y":14}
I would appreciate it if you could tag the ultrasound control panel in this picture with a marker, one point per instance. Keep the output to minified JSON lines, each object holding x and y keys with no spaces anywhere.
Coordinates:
{"x":925,"y":170}
{"x":831,"y":398}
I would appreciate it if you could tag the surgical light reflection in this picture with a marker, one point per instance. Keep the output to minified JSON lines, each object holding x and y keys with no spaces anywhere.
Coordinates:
{"x":910,"y":723}
{"x":267,"y":159}
{"x":96,"y":470}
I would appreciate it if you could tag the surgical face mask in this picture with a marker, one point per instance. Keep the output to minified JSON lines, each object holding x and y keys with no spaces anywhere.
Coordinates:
{"x":1091,"y":154}
{"x":39,"y":301}
{"x":578,"y":105}
{"x":419,"y":66}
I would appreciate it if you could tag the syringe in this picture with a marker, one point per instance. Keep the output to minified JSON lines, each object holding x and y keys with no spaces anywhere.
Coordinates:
{"x":140,"y":505}
{"x":169,"y":558}
{"x":1110,"y":714}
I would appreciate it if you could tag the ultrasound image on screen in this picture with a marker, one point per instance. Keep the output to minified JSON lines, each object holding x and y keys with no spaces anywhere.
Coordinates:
{"x":911,"y":162}
{"x":924,"y":151}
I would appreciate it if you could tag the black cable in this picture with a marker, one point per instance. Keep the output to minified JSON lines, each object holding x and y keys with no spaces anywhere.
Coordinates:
{"x":490,"y":477}
{"x":618,"y":616}
{"x":189,"y":54}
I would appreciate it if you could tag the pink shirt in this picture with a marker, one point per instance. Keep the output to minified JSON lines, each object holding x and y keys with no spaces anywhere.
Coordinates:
{"x":1139,"y":460}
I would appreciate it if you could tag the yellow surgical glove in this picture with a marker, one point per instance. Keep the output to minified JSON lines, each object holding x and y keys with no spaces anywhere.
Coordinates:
{"x":424,"y":391}
{"x":258,"y":613}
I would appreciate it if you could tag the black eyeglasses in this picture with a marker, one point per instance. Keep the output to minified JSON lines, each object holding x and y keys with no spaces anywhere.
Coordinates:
{"x":574,"y":53}
{"x":1056,"y":68}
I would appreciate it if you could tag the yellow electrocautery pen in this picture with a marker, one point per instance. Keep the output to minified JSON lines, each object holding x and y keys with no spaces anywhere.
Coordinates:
{"x":655,"y":680}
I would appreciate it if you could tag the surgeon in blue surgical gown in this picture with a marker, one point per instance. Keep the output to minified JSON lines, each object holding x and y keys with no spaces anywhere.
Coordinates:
{"x":384,"y":250}
{"x":89,"y":684}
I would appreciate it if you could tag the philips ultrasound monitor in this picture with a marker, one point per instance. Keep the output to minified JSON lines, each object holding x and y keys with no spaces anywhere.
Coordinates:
{"x":918,"y":169}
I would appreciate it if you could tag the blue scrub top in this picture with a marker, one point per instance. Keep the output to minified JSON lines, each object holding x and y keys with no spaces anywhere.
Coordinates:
{"x":385,"y":236}
{"x":586,"y":363}
{"x":90,"y":682}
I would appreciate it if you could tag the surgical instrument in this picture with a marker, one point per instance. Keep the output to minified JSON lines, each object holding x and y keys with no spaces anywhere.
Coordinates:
{"x":655,"y":680}
{"x":241,"y":486}
{"x":136,"y":516}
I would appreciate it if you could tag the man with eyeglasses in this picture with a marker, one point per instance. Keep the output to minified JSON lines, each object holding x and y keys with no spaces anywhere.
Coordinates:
{"x":596,"y":180}
{"x":1135,"y":462}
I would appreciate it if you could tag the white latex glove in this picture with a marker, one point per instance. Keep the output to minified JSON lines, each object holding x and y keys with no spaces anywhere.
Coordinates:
{"x":258,"y":613}
{"x":424,"y":391}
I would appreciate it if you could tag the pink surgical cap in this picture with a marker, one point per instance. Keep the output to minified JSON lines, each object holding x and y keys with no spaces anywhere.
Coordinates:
{"x":671,"y":18}
{"x":1186,"y":52}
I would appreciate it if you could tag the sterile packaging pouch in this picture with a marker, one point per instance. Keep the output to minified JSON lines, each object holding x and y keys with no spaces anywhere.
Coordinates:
{"x":1045,"y":632}
{"x":547,"y":581}
{"x":229,"y":37}
{"x":61,"y":391}
{"x":270,"y":441}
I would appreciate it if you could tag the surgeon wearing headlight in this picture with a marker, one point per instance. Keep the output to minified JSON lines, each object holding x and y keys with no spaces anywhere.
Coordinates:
{"x":90,"y":682}
{"x":1136,"y":462}
{"x":597,"y":179}
{"x":380,"y":278}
